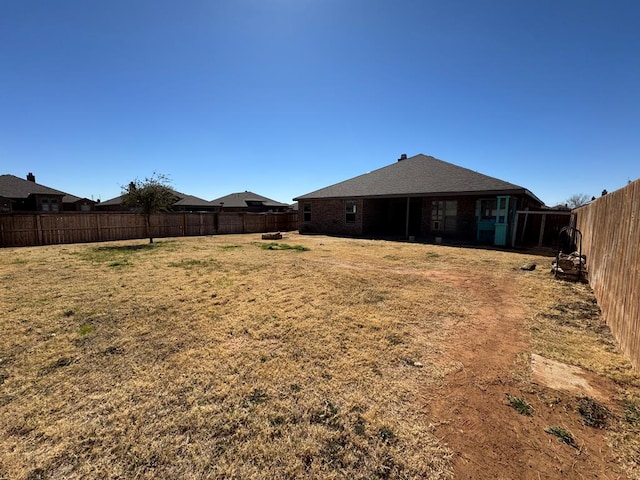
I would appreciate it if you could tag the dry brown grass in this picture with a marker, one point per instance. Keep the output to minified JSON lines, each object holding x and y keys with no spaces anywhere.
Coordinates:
{"x":567,"y":326}
{"x":214,"y":358}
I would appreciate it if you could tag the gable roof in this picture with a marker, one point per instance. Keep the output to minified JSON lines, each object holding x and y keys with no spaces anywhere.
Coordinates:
{"x":16,"y":187}
{"x":68,"y":198}
{"x":183,"y":200}
{"x":418,"y":175}
{"x":191,"y":201}
{"x":240,"y":199}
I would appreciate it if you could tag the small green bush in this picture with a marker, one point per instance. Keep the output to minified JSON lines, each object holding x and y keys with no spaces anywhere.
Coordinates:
{"x":593,"y":414}
{"x":520,"y":404}
{"x":282,"y":246}
{"x":562,"y":435}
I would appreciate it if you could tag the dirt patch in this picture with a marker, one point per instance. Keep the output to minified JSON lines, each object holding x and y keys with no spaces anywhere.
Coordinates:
{"x":474,"y":416}
{"x":567,"y":378}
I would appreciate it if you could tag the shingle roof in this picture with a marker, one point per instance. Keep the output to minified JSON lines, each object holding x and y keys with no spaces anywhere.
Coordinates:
{"x":417,"y":175}
{"x":16,"y":187}
{"x":112,"y":201}
{"x":19,"y":188}
{"x":184,"y":200}
{"x":191,"y":201}
{"x":239,"y":200}
{"x":68,"y":198}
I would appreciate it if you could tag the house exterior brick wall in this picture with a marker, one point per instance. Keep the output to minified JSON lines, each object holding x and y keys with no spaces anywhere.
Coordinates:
{"x":329,"y":216}
{"x":388,"y":216}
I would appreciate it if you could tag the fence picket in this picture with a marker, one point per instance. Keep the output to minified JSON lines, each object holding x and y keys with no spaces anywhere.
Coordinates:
{"x":21,"y":230}
{"x":611,"y":241}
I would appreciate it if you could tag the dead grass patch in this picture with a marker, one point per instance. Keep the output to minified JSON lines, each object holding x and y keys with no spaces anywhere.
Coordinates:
{"x":212,"y":358}
{"x":567,"y":326}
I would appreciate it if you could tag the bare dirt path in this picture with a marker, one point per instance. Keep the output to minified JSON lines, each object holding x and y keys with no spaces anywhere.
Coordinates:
{"x":490,"y":439}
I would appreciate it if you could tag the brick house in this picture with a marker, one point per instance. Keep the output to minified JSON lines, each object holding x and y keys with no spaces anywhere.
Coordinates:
{"x":420,"y":197}
{"x":20,"y":195}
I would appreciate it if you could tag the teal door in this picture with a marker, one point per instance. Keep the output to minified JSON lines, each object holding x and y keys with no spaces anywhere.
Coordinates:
{"x":486,"y":219}
{"x":502,"y":221}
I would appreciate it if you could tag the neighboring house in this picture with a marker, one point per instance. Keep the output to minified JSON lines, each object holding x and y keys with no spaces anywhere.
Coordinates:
{"x":20,"y":195}
{"x":5,"y":204}
{"x":248,"y":202}
{"x":189,"y":203}
{"x":418,"y":196}
{"x":183,"y":203}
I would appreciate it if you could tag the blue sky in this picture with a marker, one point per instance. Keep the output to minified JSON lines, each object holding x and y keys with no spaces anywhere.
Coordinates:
{"x":282,"y":97}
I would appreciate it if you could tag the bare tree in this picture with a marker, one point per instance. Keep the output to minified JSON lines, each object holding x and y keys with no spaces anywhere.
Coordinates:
{"x":577,"y":200}
{"x":149,"y":196}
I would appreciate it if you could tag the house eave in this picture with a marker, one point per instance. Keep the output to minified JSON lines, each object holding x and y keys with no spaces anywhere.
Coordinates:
{"x":522,"y":191}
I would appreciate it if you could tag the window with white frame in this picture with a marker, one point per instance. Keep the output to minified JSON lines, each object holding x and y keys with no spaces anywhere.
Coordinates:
{"x":350,"y":212}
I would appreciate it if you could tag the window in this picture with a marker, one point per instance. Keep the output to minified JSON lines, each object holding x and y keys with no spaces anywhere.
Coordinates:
{"x":444,"y":215}
{"x":488,"y":209}
{"x":49,"y":205}
{"x":350,"y":212}
{"x":306,"y":212}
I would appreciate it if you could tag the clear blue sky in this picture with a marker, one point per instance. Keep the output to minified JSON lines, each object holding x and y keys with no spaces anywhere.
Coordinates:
{"x":282,"y":97}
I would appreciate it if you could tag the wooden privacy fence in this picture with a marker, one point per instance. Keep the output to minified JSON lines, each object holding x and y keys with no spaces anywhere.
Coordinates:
{"x":21,"y":230}
{"x":611,"y":241}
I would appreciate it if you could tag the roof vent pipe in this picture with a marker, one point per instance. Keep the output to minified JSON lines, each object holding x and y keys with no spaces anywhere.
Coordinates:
{"x":402,"y":157}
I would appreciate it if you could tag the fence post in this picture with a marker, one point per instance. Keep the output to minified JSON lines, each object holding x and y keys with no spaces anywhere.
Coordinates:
{"x":542,"y":225}
{"x":39,"y":229}
{"x":98,"y":226}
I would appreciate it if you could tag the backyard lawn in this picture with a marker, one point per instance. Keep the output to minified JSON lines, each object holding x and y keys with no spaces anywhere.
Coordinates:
{"x":312,"y":357}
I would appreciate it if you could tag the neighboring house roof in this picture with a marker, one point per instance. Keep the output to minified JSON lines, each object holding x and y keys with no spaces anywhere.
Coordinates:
{"x":16,"y":187}
{"x":240,"y":199}
{"x":560,"y":207}
{"x":112,"y":201}
{"x":191,"y":201}
{"x":184,"y":200}
{"x":418,"y":175}
{"x":68,"y":198}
